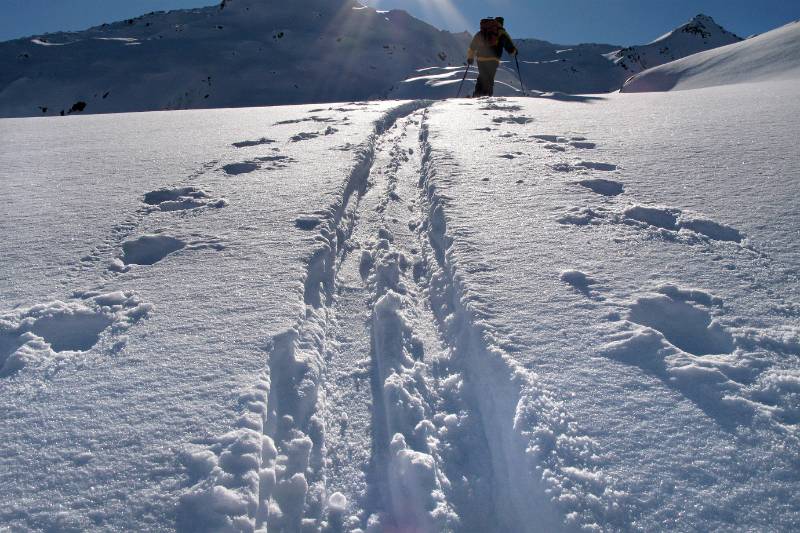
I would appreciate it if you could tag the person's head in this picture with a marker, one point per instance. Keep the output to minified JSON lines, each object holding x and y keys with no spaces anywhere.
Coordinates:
{"x":500,"y":20}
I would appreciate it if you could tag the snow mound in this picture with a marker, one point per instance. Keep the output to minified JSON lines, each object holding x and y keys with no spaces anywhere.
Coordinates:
{"x":771,"y":56}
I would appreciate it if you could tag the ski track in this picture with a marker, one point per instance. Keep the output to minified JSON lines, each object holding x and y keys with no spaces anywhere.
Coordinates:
{"x":389,"y":406}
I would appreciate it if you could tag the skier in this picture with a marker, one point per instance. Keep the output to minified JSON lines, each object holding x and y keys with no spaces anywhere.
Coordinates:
{"x":488,"y":45}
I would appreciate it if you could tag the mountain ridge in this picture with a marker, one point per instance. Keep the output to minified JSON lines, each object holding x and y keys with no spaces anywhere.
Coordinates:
{"x":770,"y":56}
{"x":244,"y":53}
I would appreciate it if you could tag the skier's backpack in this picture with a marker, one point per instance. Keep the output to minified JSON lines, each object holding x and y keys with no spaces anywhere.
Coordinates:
{"x":490,"y":30}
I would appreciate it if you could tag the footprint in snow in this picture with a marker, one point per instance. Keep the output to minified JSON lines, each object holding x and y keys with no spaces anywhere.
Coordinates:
{"x":603,"y":186}
{"x":676,"y":334}
{"x":512,"y":155}
{"x":36,"y":333}
{"x":258,"y":142}
{"x":150,"y":249}
{"x":685,"y":322}
{"x":555,"y":147}
{"x":549,"y":138}
{"x":307,"y":222}
{"x":564,"y":167}
{"x":605,"y":167}
{"x":511,"y":119}
{"x":500,"y":107}
{"x":659,"y":217}
{"x":580,"y":282}
{"x":583,"y":145}
{"x":234,"y":169}
{"x":276,"y":161}
{"x":582,"y":216}
{"x":313,"y":118}
{"x":304,"y":136}
{"x":181,"y":198}
{"x":674,"y":220}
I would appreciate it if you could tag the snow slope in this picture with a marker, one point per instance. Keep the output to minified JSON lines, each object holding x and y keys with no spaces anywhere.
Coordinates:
{"x":774,"y":55}
{"x":650,"y":285}
{"x":129,"y":333}
{"x":488,"y":315}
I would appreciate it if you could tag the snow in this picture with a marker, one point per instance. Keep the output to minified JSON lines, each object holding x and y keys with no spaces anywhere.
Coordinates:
{"x":265,"y":52}
{"x":774,"y":55}
{"x":506,"y":314}
{"x":699,"y":34}
{"x":242,"y":53}
{"x":134,"y":364}
{"x":665,"y":280}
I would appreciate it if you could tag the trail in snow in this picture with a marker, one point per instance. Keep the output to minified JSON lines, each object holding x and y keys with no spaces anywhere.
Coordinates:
{"x":387,"y":406}
{"x":386,"y":458}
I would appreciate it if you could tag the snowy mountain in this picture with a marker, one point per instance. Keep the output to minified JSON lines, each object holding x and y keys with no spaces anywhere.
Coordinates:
{"x":241,"y":53}
{"x":699,"y":34}
{"x":771,"y":56}
{"x":267,"y":52}
{"x":573,"y":69}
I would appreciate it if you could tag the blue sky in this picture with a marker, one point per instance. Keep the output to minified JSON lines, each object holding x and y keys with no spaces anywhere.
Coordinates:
{"x":563,"y":21}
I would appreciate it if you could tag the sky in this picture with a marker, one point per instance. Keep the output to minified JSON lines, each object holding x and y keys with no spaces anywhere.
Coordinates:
{"x":623,"y":22}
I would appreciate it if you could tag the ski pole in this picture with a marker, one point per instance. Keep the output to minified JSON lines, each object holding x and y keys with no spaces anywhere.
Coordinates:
{"x":462,"y":81}
{"x":519,"y":73}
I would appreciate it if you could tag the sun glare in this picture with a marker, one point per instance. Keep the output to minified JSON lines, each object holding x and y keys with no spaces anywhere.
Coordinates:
{"x":442,"y":13}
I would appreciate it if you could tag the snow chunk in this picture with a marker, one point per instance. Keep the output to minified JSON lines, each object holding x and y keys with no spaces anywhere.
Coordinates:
{"x":337,"y":502}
